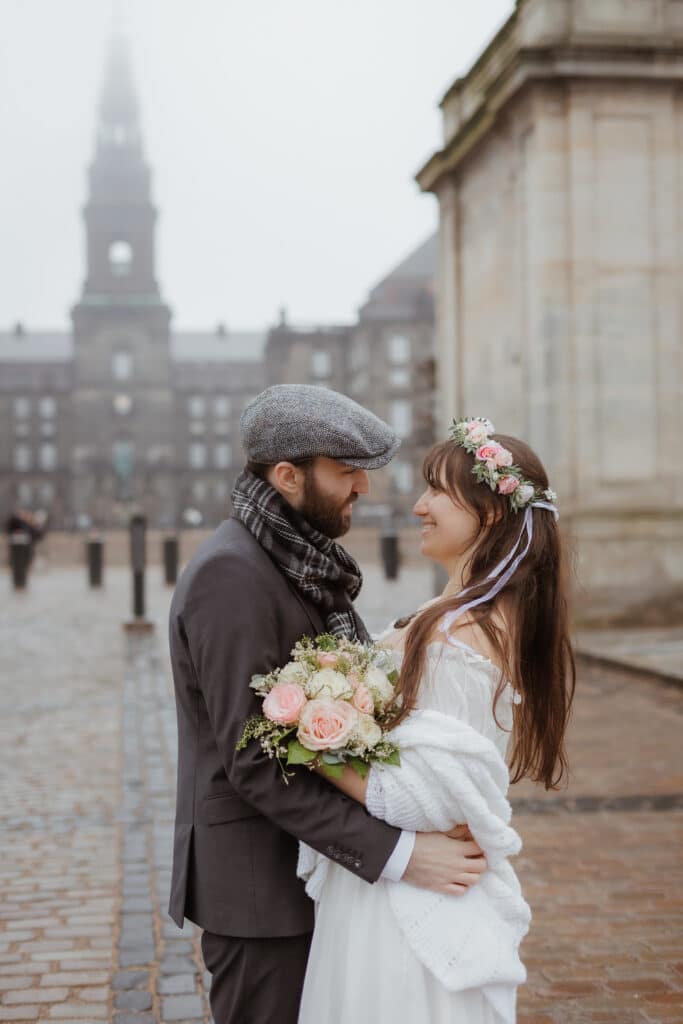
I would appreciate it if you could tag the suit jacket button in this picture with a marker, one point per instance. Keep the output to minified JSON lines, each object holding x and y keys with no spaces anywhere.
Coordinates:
{"x":356,"y":863}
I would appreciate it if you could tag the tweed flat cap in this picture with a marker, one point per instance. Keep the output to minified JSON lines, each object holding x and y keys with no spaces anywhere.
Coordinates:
{"x":300,"y":421}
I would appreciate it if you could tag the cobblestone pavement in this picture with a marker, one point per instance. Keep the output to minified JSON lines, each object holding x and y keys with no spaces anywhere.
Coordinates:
{"x":87,"y":772}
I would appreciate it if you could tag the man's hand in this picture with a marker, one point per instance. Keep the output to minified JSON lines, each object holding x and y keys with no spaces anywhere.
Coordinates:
{"x":444,"y":864}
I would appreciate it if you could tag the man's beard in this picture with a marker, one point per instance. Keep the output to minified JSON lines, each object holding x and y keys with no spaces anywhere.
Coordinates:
{"x":320,"y":512}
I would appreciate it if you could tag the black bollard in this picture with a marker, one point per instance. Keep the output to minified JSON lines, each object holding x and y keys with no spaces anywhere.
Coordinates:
{"x":138,"y":529}
{"x":20,"y":552}
{"x":170,"y":551}
{"x":95,"y":555}
{"x":390,"y":554}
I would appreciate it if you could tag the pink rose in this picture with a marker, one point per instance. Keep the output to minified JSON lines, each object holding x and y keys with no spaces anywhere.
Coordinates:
{"x":494,"y":455}
{"x":487,"y":453}
{"x":362,"y":700}
{"x":328,"y":660}
{"x":284,"y":703}
{"x":326,"y":724}
{"x":507,"y":484}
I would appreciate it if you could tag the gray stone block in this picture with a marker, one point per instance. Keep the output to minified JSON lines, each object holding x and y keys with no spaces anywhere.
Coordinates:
{"x":182,"y":1008}
{"x":131,"y":979}
{"x":133,"y":1000}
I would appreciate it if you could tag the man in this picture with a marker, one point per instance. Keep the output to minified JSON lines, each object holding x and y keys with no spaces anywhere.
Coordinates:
{"x":267,"y":576}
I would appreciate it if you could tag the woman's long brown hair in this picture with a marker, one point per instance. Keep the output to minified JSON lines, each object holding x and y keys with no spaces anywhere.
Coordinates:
{"x":535,"y":653}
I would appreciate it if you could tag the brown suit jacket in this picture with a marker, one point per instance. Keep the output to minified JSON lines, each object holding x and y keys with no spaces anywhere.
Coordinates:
{"x":233,"y":615}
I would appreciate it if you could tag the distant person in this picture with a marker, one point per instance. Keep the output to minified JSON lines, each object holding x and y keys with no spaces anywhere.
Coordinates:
{"x":32,"y":524}
{"x":487,"y":662}
{"x":267,"y":576}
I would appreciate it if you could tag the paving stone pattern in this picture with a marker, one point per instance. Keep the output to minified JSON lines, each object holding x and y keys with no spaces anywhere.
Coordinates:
{"x":87,"y":776}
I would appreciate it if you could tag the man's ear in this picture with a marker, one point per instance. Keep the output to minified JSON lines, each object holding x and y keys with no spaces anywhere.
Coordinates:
{"x":286,"y":478}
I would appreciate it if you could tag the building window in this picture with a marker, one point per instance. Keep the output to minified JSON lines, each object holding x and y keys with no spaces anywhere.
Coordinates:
{"x":196,"y":428}
{"x":47,"y":407}
{"x":401,"y":416}
{"x":199,"y":490}
{"x":22,"y":408}
{"x":120,"y":258}
{"x":399,"y":376}
{"x":122,"y":457}
{"x":221,"y":406}
{"x":197,"y":453}
{"x":22,"y":429}
{"x":123,"y":405}
{"x":48,"y":429}
{"x":121,"y":365}
{"x":321,"y":364}
{"x":222,"y":455}
{"x":22,"y":458}
{"x":221,"y":427}
{"x":399,"y":348}
{"x":46,"y":493}
{"x":47,"y":456}
{"x":25,"y":493}
{"x":196,"y":406}
{"x":402,"y":473}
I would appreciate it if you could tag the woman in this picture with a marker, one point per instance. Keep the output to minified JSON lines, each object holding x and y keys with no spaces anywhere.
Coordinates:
{"x":487,"y":662}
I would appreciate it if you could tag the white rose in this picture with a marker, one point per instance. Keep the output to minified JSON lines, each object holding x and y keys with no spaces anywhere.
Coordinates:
{"x":525,"y":493}
{"x":477,"y":433}
{"x":379,"y":686}
{"x":330,"y":684}
{"x":294,"y":672}
{"x":367,"y":733}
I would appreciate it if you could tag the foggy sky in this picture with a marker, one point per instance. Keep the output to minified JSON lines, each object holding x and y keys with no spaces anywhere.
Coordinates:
{"x":283,"y":137}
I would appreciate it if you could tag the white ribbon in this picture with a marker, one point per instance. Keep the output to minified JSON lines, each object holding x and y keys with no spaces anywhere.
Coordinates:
{"x":510,"y":564}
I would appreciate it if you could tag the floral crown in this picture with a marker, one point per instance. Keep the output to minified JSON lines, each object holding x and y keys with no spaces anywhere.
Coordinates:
{"x":493,"y":464}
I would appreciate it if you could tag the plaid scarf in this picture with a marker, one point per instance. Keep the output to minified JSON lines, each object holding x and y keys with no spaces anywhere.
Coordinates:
{"x":319,"y":568}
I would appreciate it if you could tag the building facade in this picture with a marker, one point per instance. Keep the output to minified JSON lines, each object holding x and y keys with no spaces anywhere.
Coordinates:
{"x":125,"y":414}
{"x":560,"y":186}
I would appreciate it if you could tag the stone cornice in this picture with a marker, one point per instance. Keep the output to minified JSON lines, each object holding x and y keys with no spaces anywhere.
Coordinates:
{"x":552,"y":40}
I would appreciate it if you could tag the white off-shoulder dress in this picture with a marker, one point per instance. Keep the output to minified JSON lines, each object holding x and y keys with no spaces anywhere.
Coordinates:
{"x":370,"y":958}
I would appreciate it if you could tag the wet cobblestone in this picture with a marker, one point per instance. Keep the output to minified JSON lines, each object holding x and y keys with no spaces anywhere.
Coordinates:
{"x":87,"y":770}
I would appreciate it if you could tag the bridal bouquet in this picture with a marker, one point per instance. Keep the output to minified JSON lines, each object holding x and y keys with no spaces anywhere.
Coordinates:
{"x":327,"y":707}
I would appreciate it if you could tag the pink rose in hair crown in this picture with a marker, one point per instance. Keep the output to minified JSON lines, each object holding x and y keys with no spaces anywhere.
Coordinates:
{"x":494,"y":455}
{"x":326,"y":724}
{"x":507,"y":484}
{"x":284,"y":703}
{"x":362,"y":700}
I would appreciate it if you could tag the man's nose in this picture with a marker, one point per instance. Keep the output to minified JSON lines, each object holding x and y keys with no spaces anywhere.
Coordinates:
{"x":361,"y":482}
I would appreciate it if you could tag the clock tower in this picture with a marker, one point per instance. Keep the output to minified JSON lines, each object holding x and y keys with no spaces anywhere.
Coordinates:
{"x":122,"y":368}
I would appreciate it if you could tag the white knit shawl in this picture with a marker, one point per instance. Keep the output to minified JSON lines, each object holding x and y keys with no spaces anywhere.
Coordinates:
{"x":449,"y":774}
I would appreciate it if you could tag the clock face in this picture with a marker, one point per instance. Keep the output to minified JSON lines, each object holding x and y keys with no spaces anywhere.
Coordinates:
{"x":123,"y":405}
{"x":120,"y":258}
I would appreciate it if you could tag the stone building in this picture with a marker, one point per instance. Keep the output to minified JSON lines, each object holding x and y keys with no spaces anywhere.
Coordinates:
{"x":560,"y":186}
{"x":385,"y":361}
{"x":124,"y":413}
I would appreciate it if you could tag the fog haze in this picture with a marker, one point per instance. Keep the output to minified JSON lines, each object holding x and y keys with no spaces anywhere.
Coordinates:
{"x":283,"y":139}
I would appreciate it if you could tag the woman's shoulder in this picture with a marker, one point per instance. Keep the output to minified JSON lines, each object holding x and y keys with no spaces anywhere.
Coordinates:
{"x":468,"y":637}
